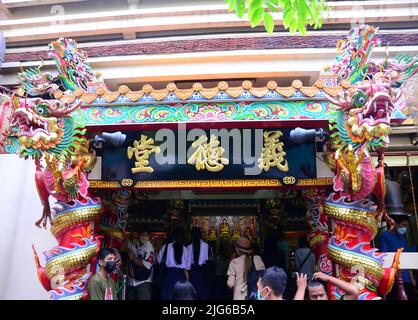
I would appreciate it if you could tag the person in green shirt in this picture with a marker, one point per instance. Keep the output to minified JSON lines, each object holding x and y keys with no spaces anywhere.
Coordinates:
{"x":101,"y":286}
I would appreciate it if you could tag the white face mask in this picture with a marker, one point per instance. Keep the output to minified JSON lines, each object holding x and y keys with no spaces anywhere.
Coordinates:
{"x":402,"y":230}
{"x":143,"y":239}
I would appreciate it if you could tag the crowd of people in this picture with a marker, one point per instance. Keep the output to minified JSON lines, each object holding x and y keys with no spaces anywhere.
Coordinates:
{"x":191,"y":271}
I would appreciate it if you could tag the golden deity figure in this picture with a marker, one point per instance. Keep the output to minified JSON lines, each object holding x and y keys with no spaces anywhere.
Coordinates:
{"x":208,"y":155}
{"x":213,"y":235}
{"x":141,"y":151}
{"x":237,"y":232}
{"x":350,"y":163}
{"x":225,"y":229}
{"x":272,"y":154}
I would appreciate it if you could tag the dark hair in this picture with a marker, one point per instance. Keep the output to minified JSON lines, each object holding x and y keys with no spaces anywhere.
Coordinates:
{"x":248,"y":261}
{"x":103,"y":252}
{"x":183,"y":290}
{"x":196,"y":237}
{"x":317,"y":283}
{"x":178,"y":238}
{"x":225,"y":249}
{"x":399,"y":218}
{"x":143,"y":229}
{"x":277,"y":233}
{"x":303,"y":242}
{"x":276,"y":279}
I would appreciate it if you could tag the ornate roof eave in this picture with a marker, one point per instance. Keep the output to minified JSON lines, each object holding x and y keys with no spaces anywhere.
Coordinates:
{"x":197,"y":93}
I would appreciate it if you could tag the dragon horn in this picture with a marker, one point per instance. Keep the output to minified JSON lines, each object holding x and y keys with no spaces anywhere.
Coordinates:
{"x":61,"y":109}
{"x":41,"y":272}
{"x":337,"y":101}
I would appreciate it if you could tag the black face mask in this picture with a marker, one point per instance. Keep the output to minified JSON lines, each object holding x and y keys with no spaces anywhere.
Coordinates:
{"x":110,"y":266}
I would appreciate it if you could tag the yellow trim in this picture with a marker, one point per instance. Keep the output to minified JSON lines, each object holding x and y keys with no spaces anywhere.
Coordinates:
{"x":187,"y":184}
{"x":209,"y":93}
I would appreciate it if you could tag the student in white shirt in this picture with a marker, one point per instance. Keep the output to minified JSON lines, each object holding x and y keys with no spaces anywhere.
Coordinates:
{"x":199,"y":252}
{"x":176,"y":259}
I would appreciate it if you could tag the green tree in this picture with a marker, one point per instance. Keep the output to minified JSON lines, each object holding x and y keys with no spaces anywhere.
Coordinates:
{"x":297,"y":14}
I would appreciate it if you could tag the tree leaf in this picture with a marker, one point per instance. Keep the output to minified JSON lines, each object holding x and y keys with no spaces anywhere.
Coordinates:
{"x":293,"y":26}
{"x":231,"y":5}
{"x":257,"y":17}
{"x":255,"y":4}
{"x":301,"y":9}
{"x":287,"y":16}
{"x":240,"y":8}
{"x":268,"y":22}
{"x":301,"y":27}
{"x":272,"y":7}
{"x":297,"y":14}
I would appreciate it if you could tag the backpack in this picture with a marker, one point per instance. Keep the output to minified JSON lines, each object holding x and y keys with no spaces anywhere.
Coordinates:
{"x":252,"y":279}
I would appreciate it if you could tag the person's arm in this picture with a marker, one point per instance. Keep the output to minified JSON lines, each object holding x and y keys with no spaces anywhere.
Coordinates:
{"x":160,"y":254}
{"x":302,"y":284}
{"x":352,"y":291}
{"x":188,"y":261}
{"x":259,"y":264}
{"x":231,"y":276}
{"x":186,"y":273}
{"x":95,"y":292}
{"x":135,"y":260}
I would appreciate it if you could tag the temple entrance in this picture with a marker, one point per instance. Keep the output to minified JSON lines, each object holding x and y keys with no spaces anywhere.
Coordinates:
{"x":222,"y":218}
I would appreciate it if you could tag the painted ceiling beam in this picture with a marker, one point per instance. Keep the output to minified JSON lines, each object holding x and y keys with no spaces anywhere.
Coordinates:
{"x":189,"y":17}
{"x":292,"y":63}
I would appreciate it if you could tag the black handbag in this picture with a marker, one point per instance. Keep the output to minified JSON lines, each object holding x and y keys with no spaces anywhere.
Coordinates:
{"x":159,"y":269}
{"x":141,"y":273}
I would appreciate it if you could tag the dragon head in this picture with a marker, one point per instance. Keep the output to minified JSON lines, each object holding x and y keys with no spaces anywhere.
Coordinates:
{"x":74,"y":71}
{"x":34,"y":82}
{"x":44,"y":126}
{"x":354,"y":52}
{"x":367,"y":111}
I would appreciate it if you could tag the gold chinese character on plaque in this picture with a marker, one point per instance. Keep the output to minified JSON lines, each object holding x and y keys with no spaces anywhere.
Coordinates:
{"x":141,"y":151}
{"x":208,"y":155}
{"x":273,"y":154}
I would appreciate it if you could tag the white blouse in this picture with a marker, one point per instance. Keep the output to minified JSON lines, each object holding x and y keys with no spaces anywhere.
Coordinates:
{"x":171,"y":261}
{"x":203,"y":255}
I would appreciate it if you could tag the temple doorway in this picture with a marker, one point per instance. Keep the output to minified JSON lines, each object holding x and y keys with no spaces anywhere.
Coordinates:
{"x":222,"y":217}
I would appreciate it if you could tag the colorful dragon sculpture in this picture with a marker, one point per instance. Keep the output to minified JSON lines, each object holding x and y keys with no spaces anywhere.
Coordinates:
{"x":73,"y":70}
{"x":62,"y":154}
{"x":360,"y":124}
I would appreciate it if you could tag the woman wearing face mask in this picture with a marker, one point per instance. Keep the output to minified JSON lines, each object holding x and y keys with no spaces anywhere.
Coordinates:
{"x":392,"y":240}
{"x":243,"y":270}
{"x":101,"y":286}
{"x":177,"y":261}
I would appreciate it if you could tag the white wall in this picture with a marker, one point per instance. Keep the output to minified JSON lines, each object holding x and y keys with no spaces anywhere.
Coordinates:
{"x":19,"y":209}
